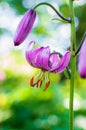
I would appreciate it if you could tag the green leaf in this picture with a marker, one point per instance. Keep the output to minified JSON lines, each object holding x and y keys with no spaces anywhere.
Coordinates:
{"x":60,"y":20}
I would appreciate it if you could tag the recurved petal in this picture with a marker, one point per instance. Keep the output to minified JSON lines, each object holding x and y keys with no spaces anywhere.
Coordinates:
{"x":54,"y":60}
{"x":64,"y":61}
{"x":24,"y":27}
{"x":31,"y":53}
{"x":42,"y":59}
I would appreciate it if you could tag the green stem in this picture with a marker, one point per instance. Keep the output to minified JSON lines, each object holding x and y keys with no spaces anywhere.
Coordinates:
{"x":73,"y":62}
{"x":57,"y":12}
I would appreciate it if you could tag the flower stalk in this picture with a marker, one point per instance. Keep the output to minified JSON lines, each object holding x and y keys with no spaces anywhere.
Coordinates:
{"x":57,"y":12}
{"x":78,"y":50}
{"x":73,"y":62}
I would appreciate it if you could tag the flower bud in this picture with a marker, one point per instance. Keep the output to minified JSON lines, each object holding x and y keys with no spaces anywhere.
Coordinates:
{"x":82,"y":60}
{"x":24,"y":27}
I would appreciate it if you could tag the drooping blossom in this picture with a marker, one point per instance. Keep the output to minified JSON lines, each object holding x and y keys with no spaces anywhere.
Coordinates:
{"x":46,"y":61}
{"x":24,"y":27}
{"x":82,"y":60}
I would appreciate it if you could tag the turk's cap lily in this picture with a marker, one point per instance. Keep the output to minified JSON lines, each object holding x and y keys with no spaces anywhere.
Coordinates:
{"x":82,"y":61}
{"x":24,"y":27}
{"x":43,"y":59}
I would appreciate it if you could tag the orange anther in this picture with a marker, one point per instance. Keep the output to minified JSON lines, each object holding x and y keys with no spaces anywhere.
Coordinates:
{"x":37,"y":83}
{"x":47,"y":85}
{"x":31,"y":82}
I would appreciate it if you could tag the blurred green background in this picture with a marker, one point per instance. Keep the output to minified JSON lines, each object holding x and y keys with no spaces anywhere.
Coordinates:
{"x":26,"y":108}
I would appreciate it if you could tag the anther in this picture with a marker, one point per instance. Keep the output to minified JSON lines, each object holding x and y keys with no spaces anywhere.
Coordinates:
{"x":31,"y":82}
{"x":47,"y":85}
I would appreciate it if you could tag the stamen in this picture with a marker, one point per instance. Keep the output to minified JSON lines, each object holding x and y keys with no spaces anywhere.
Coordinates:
{"x":47,"y":85}
{"x":37,"y":83}
{"x":38,"y":80}
{"x":31,"y":82}
{"x":47,"y":81}
{"x":40,"y":83}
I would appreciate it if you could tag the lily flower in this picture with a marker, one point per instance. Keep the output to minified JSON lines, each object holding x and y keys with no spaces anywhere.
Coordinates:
{"x":24,"y":27}
{"x":43,"y":59}
{"x":82,"y":61}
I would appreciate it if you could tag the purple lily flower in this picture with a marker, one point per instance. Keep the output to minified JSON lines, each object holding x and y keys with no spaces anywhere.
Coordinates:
{"x":48,"y":62}
{"x":82,"y":61}
{"x":24,"y":27}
